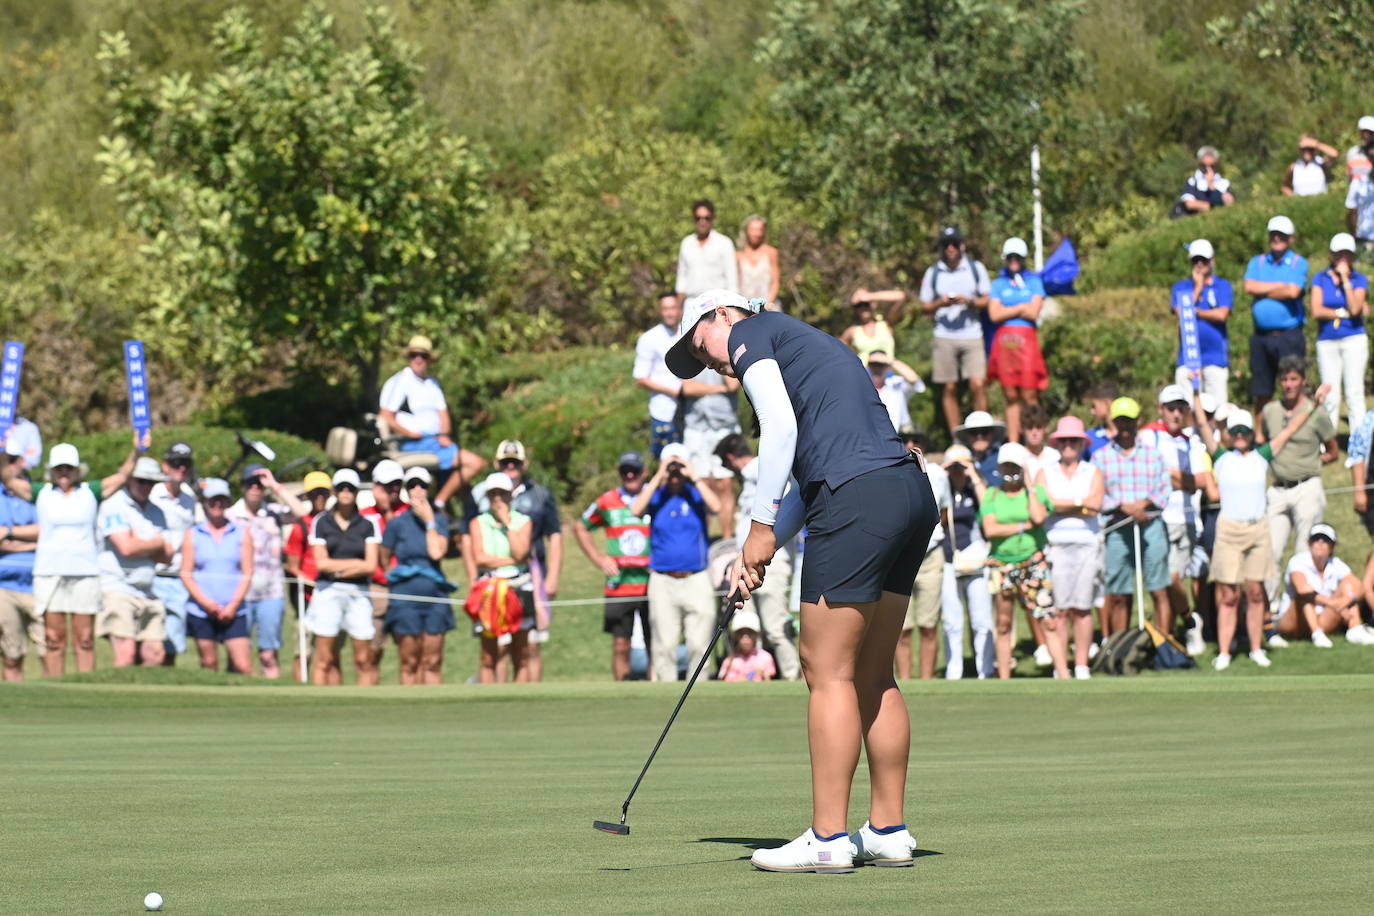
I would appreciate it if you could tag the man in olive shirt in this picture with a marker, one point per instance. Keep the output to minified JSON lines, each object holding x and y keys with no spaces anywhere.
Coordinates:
{"x":1296,"y":497}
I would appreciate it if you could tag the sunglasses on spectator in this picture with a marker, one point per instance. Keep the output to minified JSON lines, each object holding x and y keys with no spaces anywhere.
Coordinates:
{"x":980,"y":434}
{"x":345,"y":488}
{"x":64,"y":469}
{"x":630,"y":472}
{"x":318,"y":493}
{"x":1176,"y":405}
{"x":418,"y":354}
{"x":505,"y":463}
{"x":220,"y":501}
{"x":393,"y":485}
{"x":414,"y":482}
{"x":1279,"y":235}
{"x":1241,"y":431}
{"x":1201,"y":260}
{"x":179,"y":463}
{"x":253,"y":482}
{"x":705,"y":218}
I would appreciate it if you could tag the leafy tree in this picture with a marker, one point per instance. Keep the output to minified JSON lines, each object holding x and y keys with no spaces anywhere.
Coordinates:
{"x":916,"y":108}
{"x":303,"y":194}
{"x":1334,"y":35}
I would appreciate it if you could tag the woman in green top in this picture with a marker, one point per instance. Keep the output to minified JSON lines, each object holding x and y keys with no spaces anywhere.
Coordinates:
{"x":1013,"y":517}
{"x":501,"y":549}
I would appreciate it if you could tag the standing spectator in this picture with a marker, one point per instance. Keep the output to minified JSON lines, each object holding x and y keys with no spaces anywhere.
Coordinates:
{"x":651,"y":373}
{"x":1014,"y":307}
{"x":682,"y":598}
{"x":133,"y":540}
{"x":984,"y":436}
{"x":759,"y":275}
{"x":66,"y":564}
{"x":747,"y":661}
{"x":966,"y":552}
{"x":1244,"y":548}
{"x":387,"y":477}
{"x":771,"y":599}
{"x":710,"y":412}
{"x":546,"y":542}
{"x":177,"y":500}
{"x":1276,"y":279}
{"x":1075,"y":490}
{"x":1013,"y":518}
{"x":299,"y":558}
{"x":955,"y":290}
{"x":1211,"y":299}
{"x":20,"y":627}
{"x":927,"y":595}
{"x":217,"y":570}
{"x":266,"y":601}
{"x":417,"y":541}
{"x":1339,"y":303}
{"x":896,"y":383}
{"x":1185,"y":457}
{"x":1034,"y":433}
{"x":501,"y":538}
{"x":1357,"y":158}
{"x":1309,"y":173}
{"x":1322,"y":594}
{"x":412,"y":406}
{"x":870,"y":330}
{"x":706,"y":258}
{"x":1103,"y":430}
{"x":346,"y":545}
{"x":624,"y":560}
{"x":1135,"y":484}
{"x":25,"y":442}
{"x":1296,"y":498}
{"x":1205,"y":189}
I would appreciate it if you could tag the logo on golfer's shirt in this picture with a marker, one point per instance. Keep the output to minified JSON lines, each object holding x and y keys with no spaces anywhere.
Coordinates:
{"x":739,"y":351}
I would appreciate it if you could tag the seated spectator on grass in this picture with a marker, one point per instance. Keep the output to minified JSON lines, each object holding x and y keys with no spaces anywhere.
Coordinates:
{"x":179,"y":506}
{"x":1211,"y":299}
{"x":133,"y":540}
{"x":870,"y":328}
{"x":652,"y":374}
{"x":1205,"y":189}
{"x":1276,"y":280}
{"x":682,"y":597}
{"x":1015,"y":361}
{"x":983,"y":436}
{"x":927,"y":595}
{"x":747,"y":661}
{"x":1013,"y":518}
{"x":66,"y":564}
{"x":217,"y":570}
{"x":20,"y":628}
{"x":1075,"y":490}
{"x":896,"y":383}
{"x":266,"y":601}
{"x":954,"y":291}
{"x":1322,"y":595}
{"x":413,"y":548}
{"x":966,"y":553}
{"x":501,"y":543}
{"x":346,"y":545}
{"x":1339,"y":304}
{"x":759,"y":274}
{"x":1103,"y":429}
{"x":624,"y":560}
{"x":1309,"y":174}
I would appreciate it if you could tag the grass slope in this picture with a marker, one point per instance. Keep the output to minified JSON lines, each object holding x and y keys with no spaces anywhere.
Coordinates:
{"x":1142,"y":795}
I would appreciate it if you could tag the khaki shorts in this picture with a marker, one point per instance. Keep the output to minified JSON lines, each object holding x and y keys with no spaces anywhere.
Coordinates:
{"x":132,"y":617}
{"x":952,"y":360}
{"x":1242,"y":552}
{"x":17,"y":621}
{"x":924,"y":608}
{"x":66,"y":595}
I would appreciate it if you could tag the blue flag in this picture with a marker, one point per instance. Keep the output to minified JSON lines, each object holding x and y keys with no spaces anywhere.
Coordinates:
{"x":10,"y":371}
{"x":1061,"y":269}
{"x":136,"y":370}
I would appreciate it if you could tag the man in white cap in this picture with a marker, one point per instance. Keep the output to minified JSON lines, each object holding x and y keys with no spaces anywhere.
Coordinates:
{"x":133,"y":540}
{"x":1359,"y":208}
{"x":1276,"y":280}
{"x":1204,"y":299}
{"x":1360,"y":157}
{"x":1205,"y":189}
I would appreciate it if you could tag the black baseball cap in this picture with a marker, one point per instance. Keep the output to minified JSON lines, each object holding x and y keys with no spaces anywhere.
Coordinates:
{"x":949,"y":235}
{"x":178,"y":450}
{"x":632,"y":460}
{"x":253,"y":470}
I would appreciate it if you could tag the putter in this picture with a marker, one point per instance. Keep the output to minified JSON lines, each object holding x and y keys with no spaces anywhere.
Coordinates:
{"x":622,"y":829}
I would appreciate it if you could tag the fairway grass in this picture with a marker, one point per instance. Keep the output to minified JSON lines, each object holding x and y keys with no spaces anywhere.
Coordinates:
{"x":1125,"y":795}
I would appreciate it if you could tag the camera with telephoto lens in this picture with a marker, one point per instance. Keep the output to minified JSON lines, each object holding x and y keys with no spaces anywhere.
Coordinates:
{"x":675,"y":469}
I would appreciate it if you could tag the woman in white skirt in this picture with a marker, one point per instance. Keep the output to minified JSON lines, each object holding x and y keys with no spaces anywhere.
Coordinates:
{"x":965,"y":574}
{"x":1075,"y":490}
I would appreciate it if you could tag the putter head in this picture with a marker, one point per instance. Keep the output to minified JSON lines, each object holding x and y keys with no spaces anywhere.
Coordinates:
{"x":608,"y":827}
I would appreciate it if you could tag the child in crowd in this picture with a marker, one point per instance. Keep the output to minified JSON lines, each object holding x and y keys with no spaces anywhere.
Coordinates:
{"x":749,"y":662}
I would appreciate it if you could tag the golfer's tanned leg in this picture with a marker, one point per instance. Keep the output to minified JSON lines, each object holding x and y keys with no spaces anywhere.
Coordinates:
{"x":882,"y":711}
{"x":830,"y":643}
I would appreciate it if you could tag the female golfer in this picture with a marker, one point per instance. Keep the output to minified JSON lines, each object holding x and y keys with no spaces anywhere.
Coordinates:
{"x":869,"y":513}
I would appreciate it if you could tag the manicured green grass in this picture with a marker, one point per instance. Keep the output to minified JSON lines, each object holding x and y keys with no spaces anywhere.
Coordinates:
{"x":1123,"y":795}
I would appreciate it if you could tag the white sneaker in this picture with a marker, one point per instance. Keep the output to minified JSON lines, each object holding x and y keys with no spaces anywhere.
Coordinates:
{"x":1261,"y":658}
{"x":1221,"y":662}
{"x":1042,"y":656}
{"x":1082,"y":673}
{"x":1092,"y":650}
{"x":808,"y":853}
{"x":1277,"y":642}
{"x":1321,"y":640}
{"x":1362,"y":635}
{"x":1194,"y":644}
{"x":886,"y":850}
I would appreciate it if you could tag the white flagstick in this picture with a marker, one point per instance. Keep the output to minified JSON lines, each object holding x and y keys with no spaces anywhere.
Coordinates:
{"x":302,"y":644}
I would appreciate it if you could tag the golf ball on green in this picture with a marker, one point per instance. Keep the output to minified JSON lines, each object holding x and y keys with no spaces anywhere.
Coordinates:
{"x":153,"y":901}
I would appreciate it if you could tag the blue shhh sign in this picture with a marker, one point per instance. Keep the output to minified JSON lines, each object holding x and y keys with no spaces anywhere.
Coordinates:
{"x":136,"y":371}
{"x":10,"y":371}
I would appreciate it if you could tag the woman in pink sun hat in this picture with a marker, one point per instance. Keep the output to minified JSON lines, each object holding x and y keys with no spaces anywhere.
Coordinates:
{"x":1075,"y":490}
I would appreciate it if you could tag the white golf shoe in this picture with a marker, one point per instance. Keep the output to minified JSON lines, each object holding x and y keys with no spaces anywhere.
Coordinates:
{"x":1042,"y":657}
{"x":1277,"y":642}
{"x":1261,"y":658}
{"x":1193,"y":641}
{"x":1221,"y":662}
{"x":1320,"y":639}
{"x":1362,"y":635}
{"x":886,"y":850}
{"x":1082,"y":673}
{"x":808,"y":852}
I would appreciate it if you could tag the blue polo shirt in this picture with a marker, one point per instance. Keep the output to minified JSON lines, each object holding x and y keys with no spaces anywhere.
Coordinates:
{"x":1007,"y":292}
{"x":16,"y":569}
{"x":1333,"y":297}
{"x":677,"y":529}
{"x":1211,"y":336}
{"x":843,"y":429}
{"x":1278,"y":314}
